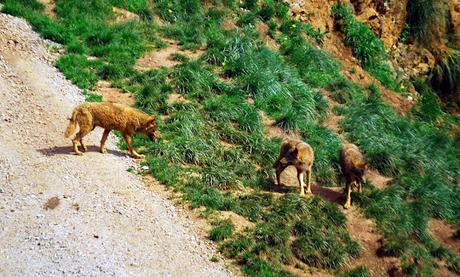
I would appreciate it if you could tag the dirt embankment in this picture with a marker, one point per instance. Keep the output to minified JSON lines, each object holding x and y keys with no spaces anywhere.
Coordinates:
{"x":68,"y":215}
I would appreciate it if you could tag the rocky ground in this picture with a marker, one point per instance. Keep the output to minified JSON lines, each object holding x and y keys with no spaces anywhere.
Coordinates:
{"x":62,"y":214}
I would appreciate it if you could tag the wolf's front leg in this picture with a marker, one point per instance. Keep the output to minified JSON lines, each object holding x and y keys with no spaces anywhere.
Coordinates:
{"x":75,"y":147}
{"x":131,"y":149}
{"x":300,"y":178}
{"x":309,"y":181}
{"x":103,"y":139}
{"x":348,"y":192}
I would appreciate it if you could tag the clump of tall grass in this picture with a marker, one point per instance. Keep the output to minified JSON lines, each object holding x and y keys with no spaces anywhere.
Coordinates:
{"x":445,"y":77}
{"x":221,"y":230}
{"x":315,"y":66}
{"x":421,"y":16}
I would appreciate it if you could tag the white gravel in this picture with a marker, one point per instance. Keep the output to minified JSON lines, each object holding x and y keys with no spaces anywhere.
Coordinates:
{"x":107,"y":222}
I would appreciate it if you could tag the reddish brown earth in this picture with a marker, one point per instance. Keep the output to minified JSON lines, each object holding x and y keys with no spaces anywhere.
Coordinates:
{"x":444,"y":234}
{"x":162,"y":57}
{"x":115,"y":95}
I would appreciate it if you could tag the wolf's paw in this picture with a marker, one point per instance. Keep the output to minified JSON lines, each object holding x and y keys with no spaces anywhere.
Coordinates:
{"x":139,"y":156}
{"x":346,"y":206}
{"x":103,"y":151}
{"x":84,"y":148}
{"x":78,"y":153}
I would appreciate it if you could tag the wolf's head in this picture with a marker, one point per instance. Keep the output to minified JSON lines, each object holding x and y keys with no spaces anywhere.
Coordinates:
{"x":149,"y":128}
{"x":358,"y":172}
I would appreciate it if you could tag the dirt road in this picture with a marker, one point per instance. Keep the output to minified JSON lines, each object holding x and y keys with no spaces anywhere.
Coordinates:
{"x":62,"y":214}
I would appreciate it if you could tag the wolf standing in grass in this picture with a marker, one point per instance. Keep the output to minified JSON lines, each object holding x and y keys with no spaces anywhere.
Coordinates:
{"x":109,"y":116}
{"x":300,"y":155}
{"x":353,"y":168}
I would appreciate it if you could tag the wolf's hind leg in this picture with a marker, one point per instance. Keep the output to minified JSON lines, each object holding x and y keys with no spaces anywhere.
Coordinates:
{"x":83,"y":145}
{"x":103,"y":139}
{"x":79,"y":138}
{"x":280,"y":168}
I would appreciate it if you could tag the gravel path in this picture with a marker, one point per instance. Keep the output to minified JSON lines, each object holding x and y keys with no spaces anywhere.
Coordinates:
{"x":106,"y":221}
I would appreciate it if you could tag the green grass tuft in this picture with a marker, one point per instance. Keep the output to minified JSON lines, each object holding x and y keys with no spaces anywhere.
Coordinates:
{"x":221,"y":230}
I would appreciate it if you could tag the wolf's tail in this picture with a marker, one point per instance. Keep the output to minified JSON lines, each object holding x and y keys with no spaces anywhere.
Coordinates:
{"x":72,"y":124}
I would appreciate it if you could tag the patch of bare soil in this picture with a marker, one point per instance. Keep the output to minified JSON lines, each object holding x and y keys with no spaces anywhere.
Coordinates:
{"x":272,"y":130}
{"x":229,"y":24}
{"x":444,"y":233}
{"x":353,"y":71}
{"x":52,"y":203}
{"x":174,"y":98}
{"x":364,"y":231}
{"x":262,"y":29}
{"x":454,"y":16}
{"x":162,"y":57}
{"x":115,"y":95}
{"x":122,"y":15}
{"x":385,"y":19}
{"x":443,"y":271}
{"x":333,"y":122}
{"x":378,"y":180}
{"x":240,"y":222}
{"x":50,"y":7}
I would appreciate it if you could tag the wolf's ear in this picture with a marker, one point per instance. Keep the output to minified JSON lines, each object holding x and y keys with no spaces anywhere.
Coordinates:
{"x":151,"y":119}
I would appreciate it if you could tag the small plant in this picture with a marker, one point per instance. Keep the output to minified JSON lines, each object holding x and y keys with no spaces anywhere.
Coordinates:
{"x":360,"y":271}
{"x":221,"y":230}
{"x":179,"y":57}
{"x":248,"y":18}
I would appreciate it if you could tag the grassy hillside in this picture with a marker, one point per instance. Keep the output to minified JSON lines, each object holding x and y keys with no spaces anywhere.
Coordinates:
{"x":215,"y":149}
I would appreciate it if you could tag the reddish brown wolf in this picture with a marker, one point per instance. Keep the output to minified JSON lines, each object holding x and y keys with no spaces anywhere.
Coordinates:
{"x":353,"y":168}
{"x":109,"y":116}
{"x":300,"y":155}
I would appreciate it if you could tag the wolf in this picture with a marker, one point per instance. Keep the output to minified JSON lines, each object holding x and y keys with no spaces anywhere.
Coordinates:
{"x":110,"y":116}
{"x":300,"y":155}
{"x":353,"y":169}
